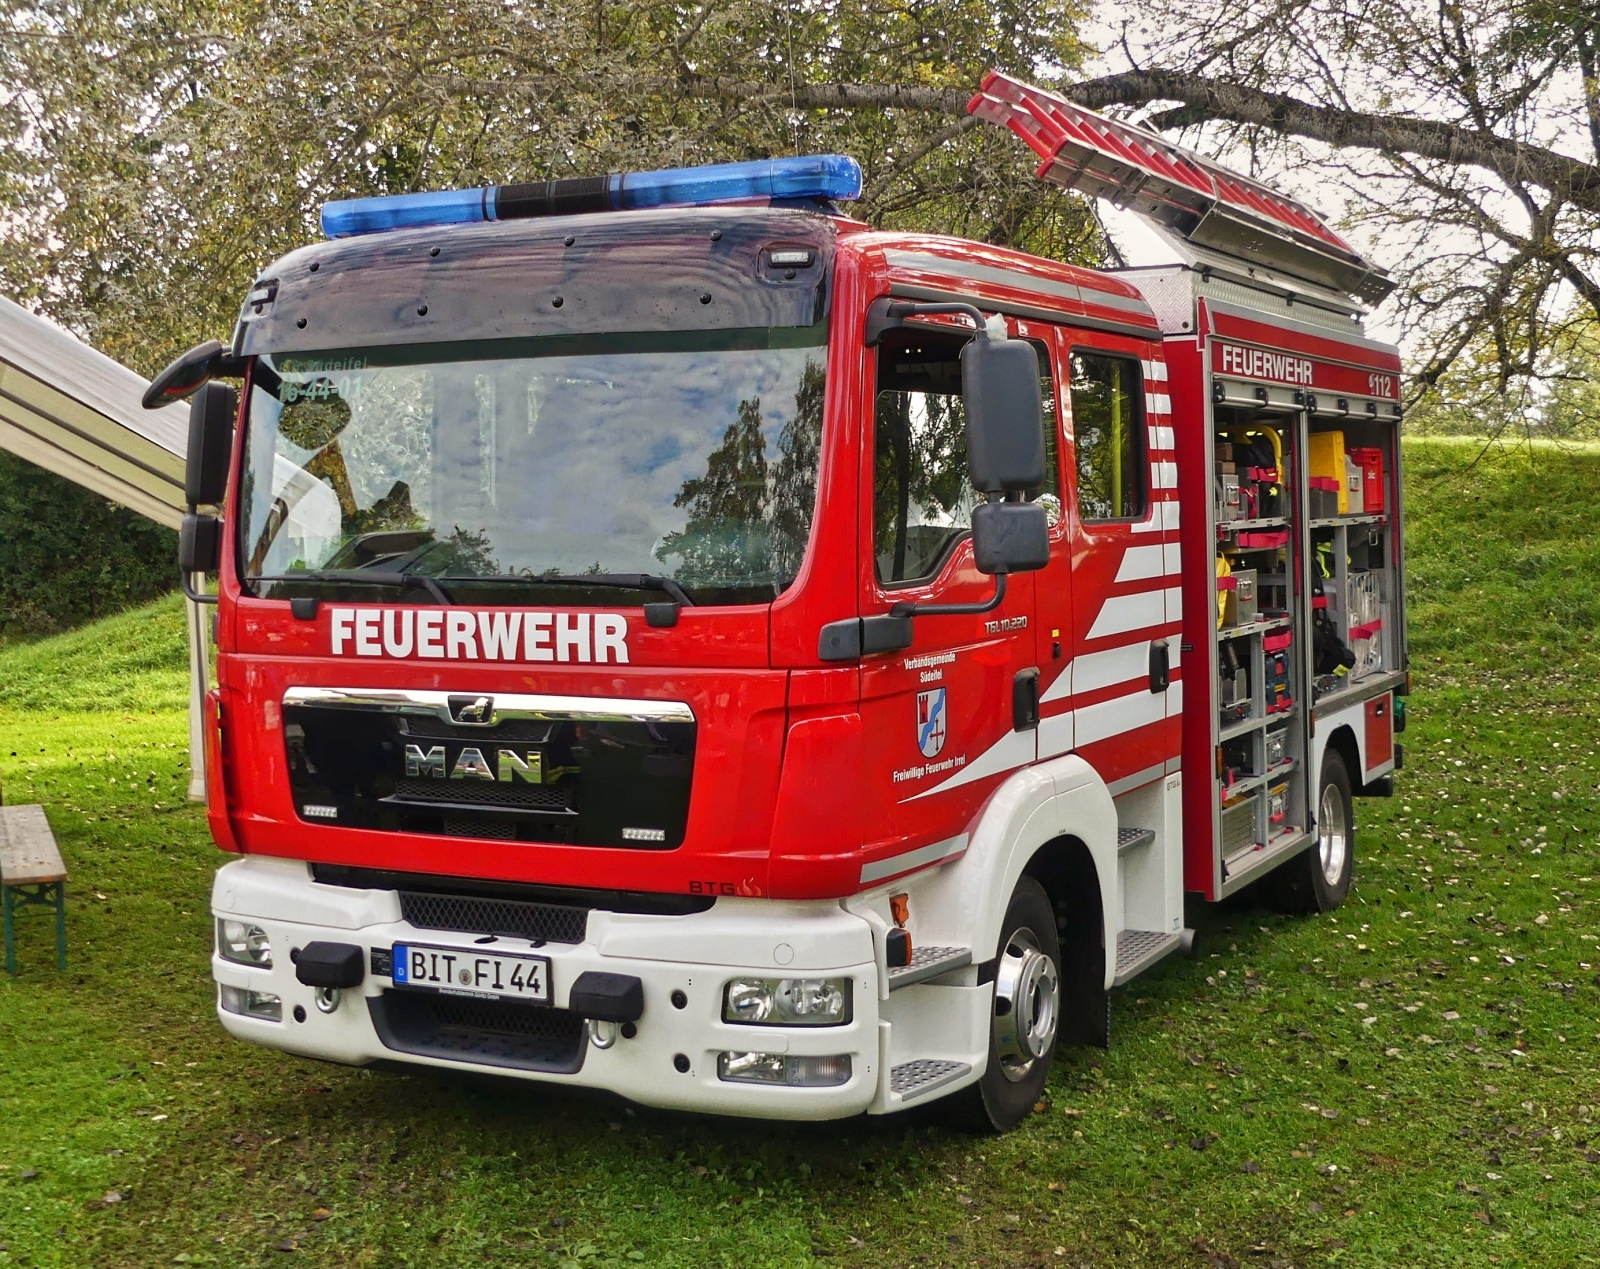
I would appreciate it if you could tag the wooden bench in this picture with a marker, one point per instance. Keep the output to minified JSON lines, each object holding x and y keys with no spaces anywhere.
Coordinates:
{"x":31,"y":874}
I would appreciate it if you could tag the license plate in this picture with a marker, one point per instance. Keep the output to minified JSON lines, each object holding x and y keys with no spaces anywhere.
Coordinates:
{"x":456,"y":971}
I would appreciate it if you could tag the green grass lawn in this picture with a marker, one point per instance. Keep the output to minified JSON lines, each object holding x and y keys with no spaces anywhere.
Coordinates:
{"x":1411,"y":1082}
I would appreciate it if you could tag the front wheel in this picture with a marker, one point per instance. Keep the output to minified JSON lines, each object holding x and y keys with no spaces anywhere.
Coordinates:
{"x":1319,"y":879}
{"x":1027,"y":1011}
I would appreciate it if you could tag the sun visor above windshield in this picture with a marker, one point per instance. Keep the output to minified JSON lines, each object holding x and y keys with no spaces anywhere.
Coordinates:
{"x":705,"y":269}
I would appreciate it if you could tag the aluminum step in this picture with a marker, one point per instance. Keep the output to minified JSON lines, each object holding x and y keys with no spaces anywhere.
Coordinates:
{"x":1138,"y":950}
{"x":929,"y":962}
{"x":917,"y":1078}
{"x":1133,"y":838}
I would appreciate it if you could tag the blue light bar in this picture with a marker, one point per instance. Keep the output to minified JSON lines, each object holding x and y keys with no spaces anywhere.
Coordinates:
{"x":829,"y":176}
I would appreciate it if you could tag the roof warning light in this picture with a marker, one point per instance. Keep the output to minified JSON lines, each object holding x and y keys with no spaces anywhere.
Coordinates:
{"x":820,"y":176}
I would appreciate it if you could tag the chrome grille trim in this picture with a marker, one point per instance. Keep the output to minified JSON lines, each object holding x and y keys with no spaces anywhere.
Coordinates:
{"x":507,"y":705}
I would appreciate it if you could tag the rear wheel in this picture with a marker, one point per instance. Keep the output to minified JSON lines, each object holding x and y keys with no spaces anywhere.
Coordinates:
{"x":1319,"y":879}
{"x":1027,"y":1014}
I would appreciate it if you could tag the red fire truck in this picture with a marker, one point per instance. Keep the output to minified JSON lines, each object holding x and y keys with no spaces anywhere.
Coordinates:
{"x":675,"y":639}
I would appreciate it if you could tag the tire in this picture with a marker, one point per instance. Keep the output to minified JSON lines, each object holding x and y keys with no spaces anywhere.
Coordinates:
{"x":1027,"y":992}
{"x":1319,"y":878}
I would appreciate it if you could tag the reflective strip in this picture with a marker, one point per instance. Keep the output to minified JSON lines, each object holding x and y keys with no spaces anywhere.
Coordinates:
{"x":1172,"y":553}
{"x":923,"y":855}
{"x":1155,"y":370}
{"x":981,"y":273}
{"x":1164,"y":475}
{"x":1121,"y":613}
{"x":1158,"y":403}
{"x":1162,"y":438}
{"x":976,"y":272}
{"x":1121,"y":714}
{"x":1094,"y":670}
{"x":1135,"y":781}
{"x":1139,"y":563}
{"x":1163,"y":516}
{"x":1174,"y":603}
{"x":1055,"y":734}
{"x":1175,"y":698}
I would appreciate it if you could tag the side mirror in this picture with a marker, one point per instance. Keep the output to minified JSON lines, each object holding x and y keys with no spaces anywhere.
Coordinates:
{"x":1000,"y":395}
{"x":199,"y":544}
{"x":184,"y":376}
{"x":1010,"y":537}
{"x":211,"y":415}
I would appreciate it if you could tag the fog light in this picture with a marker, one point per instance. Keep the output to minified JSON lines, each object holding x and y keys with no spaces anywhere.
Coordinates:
{"x":787,"y":1002}
{"x":251,"y":1004}
{"x":748,"y":1000}
{"x":243,"y":943}
{"x":781,"y":1068}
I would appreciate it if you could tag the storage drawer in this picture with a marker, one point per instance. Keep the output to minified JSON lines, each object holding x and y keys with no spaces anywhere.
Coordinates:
{"x":1239,"y":825}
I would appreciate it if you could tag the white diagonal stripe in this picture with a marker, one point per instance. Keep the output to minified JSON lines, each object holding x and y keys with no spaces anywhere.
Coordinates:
{"x":1013,"y":750}
{"x":1113,"y":717}
{"x":1139,"y":563}
{"x":1121,"y":613}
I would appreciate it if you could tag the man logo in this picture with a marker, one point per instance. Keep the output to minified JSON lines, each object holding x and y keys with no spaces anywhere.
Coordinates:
{"x":932,"y":722}
{"x":475,"y":711}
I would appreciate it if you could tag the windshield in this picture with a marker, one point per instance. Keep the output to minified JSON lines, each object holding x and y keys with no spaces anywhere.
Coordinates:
{"x":559,"y":470}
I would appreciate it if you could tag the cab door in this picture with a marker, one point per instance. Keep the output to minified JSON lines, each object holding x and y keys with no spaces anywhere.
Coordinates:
{"x":946,"y":719}
{"x":1122,"y":524}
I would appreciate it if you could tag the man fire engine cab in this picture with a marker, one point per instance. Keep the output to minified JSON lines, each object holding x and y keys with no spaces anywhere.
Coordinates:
{"x":675,"y":639}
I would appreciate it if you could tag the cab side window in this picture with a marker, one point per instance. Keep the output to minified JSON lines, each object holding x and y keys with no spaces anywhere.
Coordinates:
{"x":1108,"y":432}
{"x":922,"y":493}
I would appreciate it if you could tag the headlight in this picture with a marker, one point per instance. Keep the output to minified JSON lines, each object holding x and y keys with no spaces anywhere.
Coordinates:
{"x":252,"y":1004}
{"x":787,"y":1002}
{"x":244,"y":943}
{"x":783,"y":1068}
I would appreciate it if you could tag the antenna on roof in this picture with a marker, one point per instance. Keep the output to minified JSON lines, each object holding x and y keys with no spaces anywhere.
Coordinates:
{"x":1190,"y":197}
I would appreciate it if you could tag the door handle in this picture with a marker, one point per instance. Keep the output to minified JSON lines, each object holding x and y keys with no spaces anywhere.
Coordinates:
{"x":1160,"y":666}
{"x":1025,"y":699}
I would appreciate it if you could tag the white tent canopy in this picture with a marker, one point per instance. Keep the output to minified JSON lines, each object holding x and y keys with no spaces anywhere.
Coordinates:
{"x":75,"y":412}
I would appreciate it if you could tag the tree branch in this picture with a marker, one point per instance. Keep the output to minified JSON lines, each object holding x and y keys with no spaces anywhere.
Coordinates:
{"x":1207,"y":99}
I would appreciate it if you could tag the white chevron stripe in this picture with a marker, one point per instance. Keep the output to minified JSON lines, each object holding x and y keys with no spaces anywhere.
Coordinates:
{"x":1121,"y":613}
{"x":1013,"y":750}
{"x":1140,"y":562}
{"x":1113,"y":717}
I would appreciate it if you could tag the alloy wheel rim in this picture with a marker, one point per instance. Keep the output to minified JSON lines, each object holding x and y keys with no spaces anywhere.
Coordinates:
{"x":1333,"y":838}
{"x":1027,"y":1005}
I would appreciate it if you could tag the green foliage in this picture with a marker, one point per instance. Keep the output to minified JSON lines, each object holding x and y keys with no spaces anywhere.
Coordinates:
{"x":68,"y":555}
{"x":1408,"y":1082}
{"x":164,"y":151}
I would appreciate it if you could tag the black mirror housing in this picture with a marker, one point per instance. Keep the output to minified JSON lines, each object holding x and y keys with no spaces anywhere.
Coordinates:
{"x":183,"y":375}
{"x":1010,"y":537}
{"x":199,"y":544}
{"x":1000,"y":395}
{"x":211,"y":415}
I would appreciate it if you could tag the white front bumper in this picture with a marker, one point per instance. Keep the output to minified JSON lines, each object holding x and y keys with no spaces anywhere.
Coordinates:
{"x":695,"y":955}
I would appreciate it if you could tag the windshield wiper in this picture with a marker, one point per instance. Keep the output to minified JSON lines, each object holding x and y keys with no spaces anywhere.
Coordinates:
{"x":365,"y":577}
{"x":617,"y":581}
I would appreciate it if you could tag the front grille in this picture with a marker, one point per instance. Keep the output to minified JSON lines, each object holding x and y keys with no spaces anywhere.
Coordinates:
{"x":471,"y":914}
{"x":492,"y":1032}
{"x":516,"y":795}
{"x":500,"y":830}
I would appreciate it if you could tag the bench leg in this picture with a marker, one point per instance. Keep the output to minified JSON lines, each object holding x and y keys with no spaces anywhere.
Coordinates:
{"x":61,"y":925}
{"x":6,"y":904}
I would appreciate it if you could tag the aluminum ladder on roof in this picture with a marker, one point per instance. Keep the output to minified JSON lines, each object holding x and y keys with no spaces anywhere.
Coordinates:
{"x":1181,"y":192}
